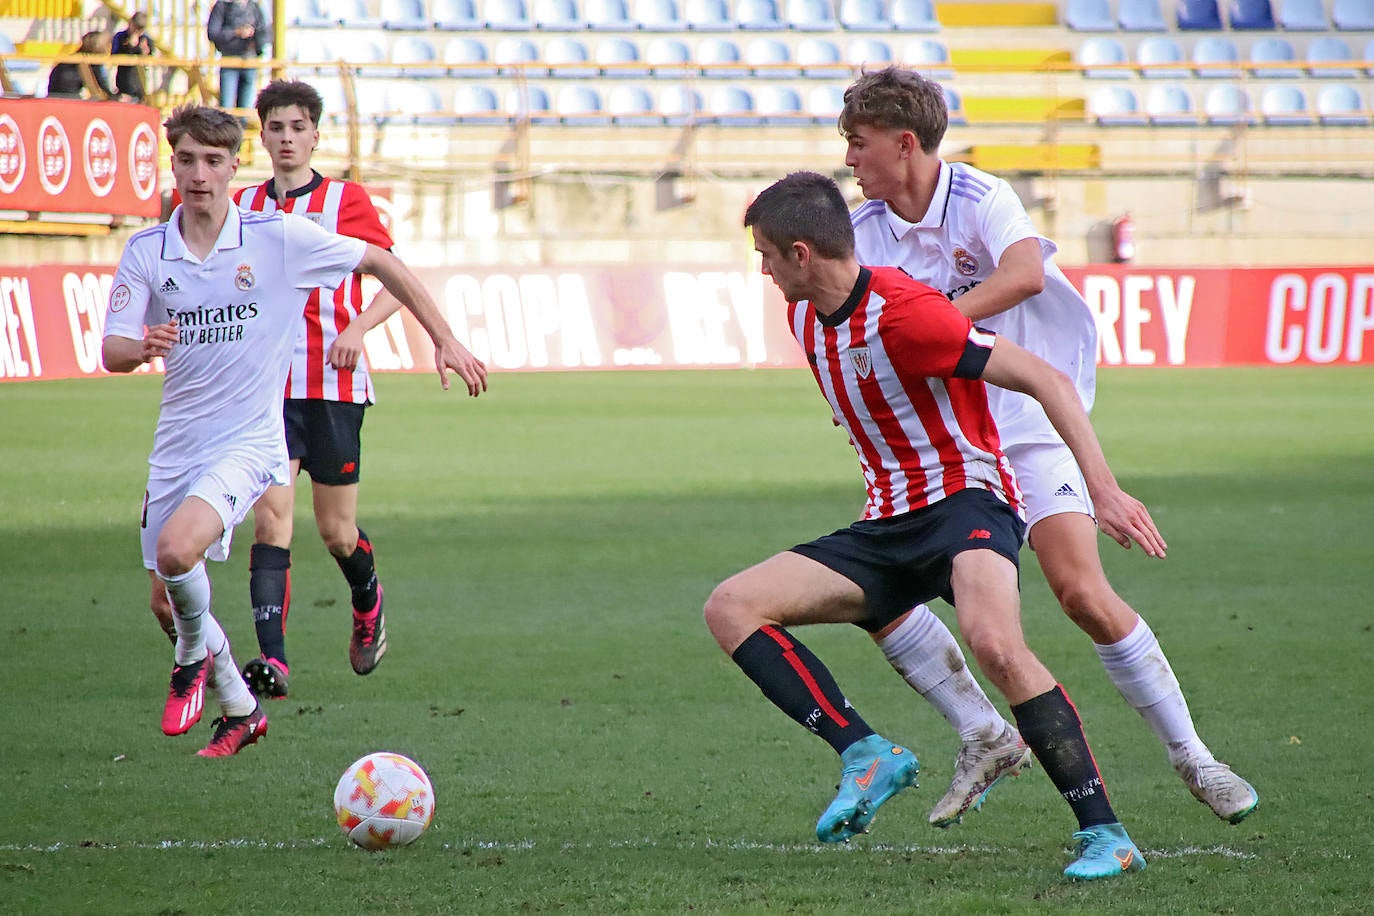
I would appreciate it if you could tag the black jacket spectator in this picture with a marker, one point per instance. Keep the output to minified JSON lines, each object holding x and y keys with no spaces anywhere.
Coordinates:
{"x":227,"y":18}
{"x":133,"y":40}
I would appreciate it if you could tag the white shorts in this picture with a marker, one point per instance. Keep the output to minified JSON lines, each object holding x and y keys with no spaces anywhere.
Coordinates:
{"x":1051,"y":482}
{"x":231,"y":486}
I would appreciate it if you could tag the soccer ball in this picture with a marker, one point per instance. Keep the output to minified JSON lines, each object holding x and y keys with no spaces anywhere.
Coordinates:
{"x":384,"y":800}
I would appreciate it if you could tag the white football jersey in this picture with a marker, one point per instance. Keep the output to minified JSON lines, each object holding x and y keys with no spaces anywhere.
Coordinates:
{"x":238,"y":313}
{"x":972,"y":219}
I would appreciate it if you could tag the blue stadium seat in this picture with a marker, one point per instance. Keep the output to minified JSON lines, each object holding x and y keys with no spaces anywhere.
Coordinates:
{"x":928,"y":56}
{"x":954,"y":105}
{"x":474,"y":104}
{"x":619,"y":59}
{"x":412,"y":51}
{"x":1285,"y":104}
{"x":632,"y":106}
{"x":517,"y":55}
{"x":1199,"y":15}
{"x":657,"y":15}
{"x":335,"y":101}
{"x":305,"y":14}
{"x":1153,"y":55}
{"x":914,"y":16}
{"x":758,"y":15}
{"x":731,"y":105}
{"x":455,"y":15}
{"x":1353,"y":15}
{"x":1368,"y":57}
{"x":821,"y":58}
{"x":1099,"y":51}
{"x":1340,"y":103}
{"x":555,"y":15}
{"x":770,"y":59}
{"x":1089,"y":16}
{"x":1140,"y":16}
{"x":364,"y":52}
{"x":1169,"y":106}
{"x":824,"y":103}
{"x":873,"y":52}
{"x":580,"y":106}
{"x":506,"y":15}
{"x":310,"y":48}
{"x":371,"y":99}
{"x":1227,"y":103}
{"x":568,"y":58}
{"x":608,"y":15}
{"x":669,"y":58}
{"x":867,"y":15}
{"x":7,"y":46}
{"x":1115,"y":105}
{"x":1272,"y":49}
{"x":1211,"y":52}
{"x":1303,"y":16}
{"x":679,"y":104}
{"x":352,"y":14}
{"x":707,"y":16}
{"x":1251,"y":16}
{"x":418,"y":104}
{"x":719,"y":58}
{"x":778,"y":104}
{"x":527,"y":102}
{"x":1328,"y":49}
{"x":467,"y":57}
{"x":408,"y":15}
{"x":809,"y":15}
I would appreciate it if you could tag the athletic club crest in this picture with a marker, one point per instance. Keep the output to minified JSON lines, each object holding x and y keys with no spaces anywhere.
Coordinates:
{"x":862,"y":360}
{"x":244,"y":278}
{"x":965,"y":263}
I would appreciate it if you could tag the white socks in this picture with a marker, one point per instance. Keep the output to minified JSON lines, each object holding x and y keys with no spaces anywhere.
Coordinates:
{"x":198,"y":632}
{"x":1139,"y":670}
{"x":924,"y":652}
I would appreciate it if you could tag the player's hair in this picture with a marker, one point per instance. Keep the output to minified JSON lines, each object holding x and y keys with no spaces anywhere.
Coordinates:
{"x":284,"y":94}
{"x":206,"y":125}
{"x":803,"y":207}
{"x":897,"y":98}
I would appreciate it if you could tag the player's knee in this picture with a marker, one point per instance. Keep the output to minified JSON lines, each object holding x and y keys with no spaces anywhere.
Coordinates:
{"x":997,"y":657}
{"x":174,"y":558}
{"x":340,"y":540}
{"x":1086,"y":600}
{"x":726,"y":615}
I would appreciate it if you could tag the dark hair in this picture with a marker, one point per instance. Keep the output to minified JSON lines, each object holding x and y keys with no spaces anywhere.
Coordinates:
{"x":284,"y":94}
{"x":803,"y":207}
{"x":897,"y":98}
{"x":205,"y":125}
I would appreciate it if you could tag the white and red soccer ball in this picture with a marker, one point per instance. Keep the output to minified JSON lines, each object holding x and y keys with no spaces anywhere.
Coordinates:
{"x":384,"y":800}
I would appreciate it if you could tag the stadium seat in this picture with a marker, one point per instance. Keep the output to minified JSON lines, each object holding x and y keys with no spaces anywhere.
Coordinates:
{"x":1089,"y":16}
{"x":657,"y":15}
{"x":335,"y":101}
{"x":1340,"y":103}
{"x":632,"y":106}
{"x":7,"y":46}
{"x":719,"y":58}
{"x":669,"y":58}
{"x":679,"y":104}
{"x":1100,"y":50}
{"x":305,"y":14}
{"x":580,"y":106}
{"x":1212,"y":51}
{"x":372,"y":101}
{"x":1302,"y":16}
{"x":1155,"y":53}
{"x":954,"y":104}
{"x":506,"y":15}
{"x":467,"y":57}
{"x":914,"y":16}
{"x":1140,"y":16}
{"x":527,"y":103}
{"x":873,"y":52}
{"x":778,"y":104}
{"x":1169,"y":106}
{"x":770,"y":59}
{"x":731,"y":105}
{"x":406,"y":15}
{"x":1272,"y":49}
{"x":1199,"y":15}
{"x":758,"y":15}
{"x":821,"y":58}
{"x":928,"y":56}
{"x":1353,"y":15}
{"x":824,"y":103}
{"x":1328,"y":49}
{"x":608,"y":15}
{"x":1251,"y":15}
{"x":619,"y":59}
{"x":555,"y":15}
{"x":1285,"y":104}
{"x":1227,"y":103}
{"x":363,"y":52}
{"x":418,"y":104}
{"x":310,"y":48}
{"x":809,"y":15}
{"x":1115,"y":105}
{"x":455,"y":15}
{"x":352,"y":14}
{"x":413,"y":51}
{"x":474,"y":104}
{"x":865,"y":15}
{"x":1368,"y":57}
{"x":568,"y":58}
{"x":517,"y":55}
{"x":707,"y":16}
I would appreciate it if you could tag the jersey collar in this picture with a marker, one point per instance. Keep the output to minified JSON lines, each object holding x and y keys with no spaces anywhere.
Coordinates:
{"x":230,"y":236}
{"x":935,"y":213}
{"x":856,"y":295}
{"x":316,"y":179}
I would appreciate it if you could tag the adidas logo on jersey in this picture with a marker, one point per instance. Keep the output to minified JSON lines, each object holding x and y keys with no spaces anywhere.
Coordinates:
{"x":1065,"y":490}
{"x":169,"y":286}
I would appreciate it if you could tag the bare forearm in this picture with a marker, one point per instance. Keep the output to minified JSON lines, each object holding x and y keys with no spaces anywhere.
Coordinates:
{"x":121,"y":354}
{"x":406,"y":287}
{"x":1058,"y":397}
{"x":382,"y":307}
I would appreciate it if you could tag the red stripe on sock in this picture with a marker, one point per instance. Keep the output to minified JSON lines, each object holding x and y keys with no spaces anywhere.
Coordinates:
{"x":802,"y":672}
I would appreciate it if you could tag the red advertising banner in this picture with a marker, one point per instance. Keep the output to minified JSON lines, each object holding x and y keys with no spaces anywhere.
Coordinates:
{"x":518,"y":319}
{"x":74,"y":156}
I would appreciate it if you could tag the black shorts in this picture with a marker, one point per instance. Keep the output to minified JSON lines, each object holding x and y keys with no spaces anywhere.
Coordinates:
{"x":326,"y":436}
{"x":906,"y":560}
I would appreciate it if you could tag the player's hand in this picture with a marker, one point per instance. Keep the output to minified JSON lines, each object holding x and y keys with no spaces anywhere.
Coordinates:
{"x":1123,"y":518}
{"x":450,"y":354}
{"x":158,"y":341}
{"x":346,"y":349}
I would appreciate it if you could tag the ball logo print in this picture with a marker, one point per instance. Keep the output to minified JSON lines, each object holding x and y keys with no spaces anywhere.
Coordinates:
{"x":384,"y":800}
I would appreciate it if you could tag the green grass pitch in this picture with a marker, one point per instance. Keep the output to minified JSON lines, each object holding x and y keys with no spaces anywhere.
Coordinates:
{"x":546,"y":551}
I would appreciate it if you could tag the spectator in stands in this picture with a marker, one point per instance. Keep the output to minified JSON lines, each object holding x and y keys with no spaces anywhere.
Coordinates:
{"x":132,"y":40}
{"x":238,"y":28}
{"x":83,"y":80}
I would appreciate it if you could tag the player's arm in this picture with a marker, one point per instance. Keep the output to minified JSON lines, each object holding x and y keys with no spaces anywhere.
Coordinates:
{"x":1123,"y":517}
{"x":1020,"y":274}
{"x":348,"y":346}
{"x":124,"y":354}
{"x":405,"y":286}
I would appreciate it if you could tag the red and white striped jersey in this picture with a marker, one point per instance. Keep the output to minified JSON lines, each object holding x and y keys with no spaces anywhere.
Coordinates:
{"x":342,"y":207}
{"x":901,"y":368}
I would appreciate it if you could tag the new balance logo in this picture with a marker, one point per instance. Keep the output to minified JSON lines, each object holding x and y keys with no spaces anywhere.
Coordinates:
{"x":980,"y":534}
{"x":169,"y":286}
{"x":1065,"y":490}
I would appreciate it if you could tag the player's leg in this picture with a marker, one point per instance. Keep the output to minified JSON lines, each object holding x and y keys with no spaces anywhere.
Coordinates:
{"x":748,"y":615}
{"x":269,"y":587}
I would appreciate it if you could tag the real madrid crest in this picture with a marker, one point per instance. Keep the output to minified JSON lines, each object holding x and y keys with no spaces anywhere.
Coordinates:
{"x":862,"y":360}
{"x":244,"y":278}
{"x":965,"y":263}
